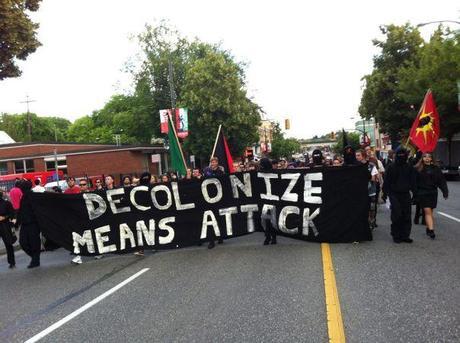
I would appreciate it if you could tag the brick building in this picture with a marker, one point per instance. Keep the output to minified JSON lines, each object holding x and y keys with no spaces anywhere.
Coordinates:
{"x":81,"y":159}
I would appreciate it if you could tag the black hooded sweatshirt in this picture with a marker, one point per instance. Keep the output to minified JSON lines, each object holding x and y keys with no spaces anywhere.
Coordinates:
{"x":400,"y":177}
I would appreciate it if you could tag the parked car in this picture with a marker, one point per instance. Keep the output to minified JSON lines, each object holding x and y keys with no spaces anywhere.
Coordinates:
{"x":451,"y":172}
{"x":61,"y":183}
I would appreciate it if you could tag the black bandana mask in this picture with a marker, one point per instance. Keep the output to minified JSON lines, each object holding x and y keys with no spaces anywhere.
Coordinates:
{"x":401,"y":156}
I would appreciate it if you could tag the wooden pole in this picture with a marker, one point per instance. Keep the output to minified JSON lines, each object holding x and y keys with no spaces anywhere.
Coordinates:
{"x":215,"y":144}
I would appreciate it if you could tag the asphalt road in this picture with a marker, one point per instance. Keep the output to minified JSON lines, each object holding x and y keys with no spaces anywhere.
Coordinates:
{"x":243,"y":291}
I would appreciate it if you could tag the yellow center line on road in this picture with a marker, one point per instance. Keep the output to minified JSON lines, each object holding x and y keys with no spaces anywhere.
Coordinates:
{"x":334,"y":315}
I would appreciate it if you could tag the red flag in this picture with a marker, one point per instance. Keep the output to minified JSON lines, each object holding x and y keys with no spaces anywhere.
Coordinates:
{"x":222,"y":152}
{"x":164,"y":120}
{"x":425,"y":129}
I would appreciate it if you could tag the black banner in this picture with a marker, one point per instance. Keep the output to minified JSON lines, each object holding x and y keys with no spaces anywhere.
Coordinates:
{"x":320,"y":205}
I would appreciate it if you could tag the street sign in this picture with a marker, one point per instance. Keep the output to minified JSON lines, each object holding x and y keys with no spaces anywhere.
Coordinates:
{"x":156,"y":158}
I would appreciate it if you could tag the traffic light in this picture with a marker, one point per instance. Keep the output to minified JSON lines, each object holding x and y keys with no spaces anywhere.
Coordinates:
{"x":287,"y":124}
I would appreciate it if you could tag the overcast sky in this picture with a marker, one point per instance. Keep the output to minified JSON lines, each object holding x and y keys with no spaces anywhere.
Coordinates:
{"x":306,"y":58}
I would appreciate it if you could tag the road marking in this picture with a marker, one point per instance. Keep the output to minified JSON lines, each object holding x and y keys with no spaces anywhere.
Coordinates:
{"x":449,"y":216}
{"x":334,"y":315}
{"x":93,"y":302}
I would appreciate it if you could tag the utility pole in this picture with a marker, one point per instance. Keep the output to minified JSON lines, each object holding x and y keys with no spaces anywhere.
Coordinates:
{"x":29,"y":125}
{"x":172,"y":92}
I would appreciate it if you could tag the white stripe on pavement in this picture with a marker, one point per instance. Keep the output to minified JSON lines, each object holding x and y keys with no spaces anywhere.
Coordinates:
{"x":449,"y":216}
{"x":64,"y":320}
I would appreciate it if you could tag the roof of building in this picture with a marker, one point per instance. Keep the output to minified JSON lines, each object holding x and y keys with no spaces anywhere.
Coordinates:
{"x":5,"y":138}
{"x":86,"y":149}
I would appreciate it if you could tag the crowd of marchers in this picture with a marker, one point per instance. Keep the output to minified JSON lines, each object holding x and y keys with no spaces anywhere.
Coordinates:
{"x":399,"y":180}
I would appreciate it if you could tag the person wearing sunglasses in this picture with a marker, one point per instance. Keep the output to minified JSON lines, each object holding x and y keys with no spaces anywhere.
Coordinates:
{"x":99,"y":184}
{"x":83,"y":186}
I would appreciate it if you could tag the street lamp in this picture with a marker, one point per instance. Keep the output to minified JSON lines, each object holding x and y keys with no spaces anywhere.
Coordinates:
{"x":438,"y":22}
{"x":363,"y":131}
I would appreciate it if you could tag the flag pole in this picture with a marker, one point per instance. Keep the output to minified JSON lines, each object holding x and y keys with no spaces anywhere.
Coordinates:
{"x":177,"y":140}
{"x":215,"y":143}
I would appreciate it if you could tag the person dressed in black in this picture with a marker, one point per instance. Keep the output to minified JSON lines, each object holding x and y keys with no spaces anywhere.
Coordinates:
{"x":429,"y":179}
{"x":418,"y":210}
{"x":400,"y":180}
{"x":317,"y":159}
{"x":7,"y":213}
{"x":349,"y":156}
{"x":270,"y":233}
{"x":214,"y":170}
{"x":144,"y":180}
{"x":29,"y":235}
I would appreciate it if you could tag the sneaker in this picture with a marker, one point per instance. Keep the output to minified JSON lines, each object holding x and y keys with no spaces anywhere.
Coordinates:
{"x":407,"y":240}
{"x":397,"y":240}
{"x":77,"y":260}
{"x":139,"y":253}
{"x":211,"y":244}
{"x":98,"y":257}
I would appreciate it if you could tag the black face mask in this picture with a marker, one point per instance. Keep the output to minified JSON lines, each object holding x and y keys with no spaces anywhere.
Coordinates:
{"x":401,"y":157}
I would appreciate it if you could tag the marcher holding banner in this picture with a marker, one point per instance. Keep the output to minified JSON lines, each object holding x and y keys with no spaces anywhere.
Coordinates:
{"x":320,"y":205}
{"x":6,"y":227}
{"x":270,"y":230}
{"x":29,"y":235}
{"x":214,"y":170}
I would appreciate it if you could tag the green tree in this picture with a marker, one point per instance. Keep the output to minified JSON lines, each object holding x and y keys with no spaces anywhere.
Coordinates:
{"x":207,"y":80}
{"x":352,"y":138}
{"x":439,"y":70}
{"x":43,"y":129}
{"x":281,"y":146}
{"x":399,"y":49}
{"x":18,"y":34}
{"x":214,"y":92}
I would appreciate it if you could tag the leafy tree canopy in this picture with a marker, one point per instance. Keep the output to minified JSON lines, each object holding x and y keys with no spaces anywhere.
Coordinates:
{"x":18,"y":34}
{"x":283,"y":147}
{"x":44,"y":129}
{"x":404,"y":70}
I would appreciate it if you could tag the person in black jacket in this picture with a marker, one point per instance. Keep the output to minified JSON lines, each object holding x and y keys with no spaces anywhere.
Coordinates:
{"x":429,"y":179}
{"x":214,"y":170}
{"x":29,"y":235}
{"x":6,"y":213}
{"x":270,"y":232}
{"x":400,"y":180}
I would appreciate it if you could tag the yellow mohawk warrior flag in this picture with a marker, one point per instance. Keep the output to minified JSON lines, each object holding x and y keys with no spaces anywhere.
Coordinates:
{"x":425,"y":131}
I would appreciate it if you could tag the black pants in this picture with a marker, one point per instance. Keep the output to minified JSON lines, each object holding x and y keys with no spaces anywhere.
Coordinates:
{"x":212,"y":237}
{"x":270,"y":232}
{"x":419,"y":213}
{"x":400,"y":215}
{"x":5,"y":233}
{"x":29,"y":238}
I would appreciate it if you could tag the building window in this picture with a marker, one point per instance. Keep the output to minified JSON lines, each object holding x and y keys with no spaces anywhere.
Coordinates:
{"x":24,"y":166}
{"x":3,"y":168}
{"x":29,"y":166}
{"x":61,"y":164}
{"x":19,"y":167}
